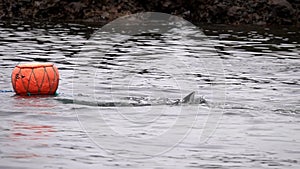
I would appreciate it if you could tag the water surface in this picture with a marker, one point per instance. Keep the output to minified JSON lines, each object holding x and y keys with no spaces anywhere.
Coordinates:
{"x":259,"y":126}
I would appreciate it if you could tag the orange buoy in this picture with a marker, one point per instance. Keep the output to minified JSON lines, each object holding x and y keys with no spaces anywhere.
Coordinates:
{"x":35,"y":78}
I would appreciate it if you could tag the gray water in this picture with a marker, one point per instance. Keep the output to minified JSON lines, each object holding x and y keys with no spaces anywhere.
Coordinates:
{"x":255,"y":126}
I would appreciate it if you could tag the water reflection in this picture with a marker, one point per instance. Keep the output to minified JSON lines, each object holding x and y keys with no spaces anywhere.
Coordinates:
{"x":25,"y":131}
{"x":35,"y":101}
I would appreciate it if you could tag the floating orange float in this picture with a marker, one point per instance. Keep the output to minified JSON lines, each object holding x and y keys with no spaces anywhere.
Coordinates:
{"x":35,"y":79}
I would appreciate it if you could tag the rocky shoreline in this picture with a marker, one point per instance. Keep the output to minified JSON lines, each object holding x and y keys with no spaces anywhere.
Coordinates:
{"x":236,"y":12}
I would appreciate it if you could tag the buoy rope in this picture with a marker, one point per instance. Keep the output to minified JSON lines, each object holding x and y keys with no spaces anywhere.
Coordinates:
{"x":6,"y":91}
{"x":19,"y":75}
{"x":42,"y":80}
{"x":45,"y":72}
{"x":29,"y":80}
{"x":55,"y":75}
{"x":50,"y":86}
{"x":37,"y":83}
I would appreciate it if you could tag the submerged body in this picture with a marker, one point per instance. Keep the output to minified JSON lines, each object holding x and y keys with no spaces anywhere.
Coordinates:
{"x":140,"y":101}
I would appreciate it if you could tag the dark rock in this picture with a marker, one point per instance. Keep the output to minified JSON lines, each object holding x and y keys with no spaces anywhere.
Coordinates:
{"x":235,"y":11}
{"x":281,"y":4}
{"x":282,"y":11}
